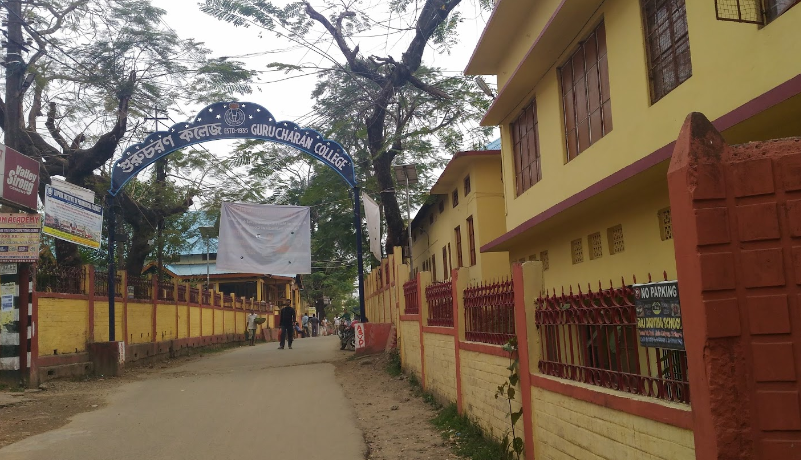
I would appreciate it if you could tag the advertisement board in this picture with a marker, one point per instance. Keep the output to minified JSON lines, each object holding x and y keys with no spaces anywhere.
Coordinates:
{"x":20,"y":235}
{"x":72,"y":219}
{"x":20,"y":178}
{"x":659,"y":315}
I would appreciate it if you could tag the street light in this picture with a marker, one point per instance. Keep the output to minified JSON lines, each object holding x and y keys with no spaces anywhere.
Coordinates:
{"x":206,"y":233}
{"x":408,"y":174}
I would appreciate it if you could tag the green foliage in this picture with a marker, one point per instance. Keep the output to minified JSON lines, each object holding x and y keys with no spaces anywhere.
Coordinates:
{"x":394,"y":365}
{"x":514,"y":444}
{"x":466,"y":438}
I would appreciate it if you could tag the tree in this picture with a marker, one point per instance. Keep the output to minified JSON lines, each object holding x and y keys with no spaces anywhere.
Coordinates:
{"x":95,"y":65}
{"x":394,"y":106}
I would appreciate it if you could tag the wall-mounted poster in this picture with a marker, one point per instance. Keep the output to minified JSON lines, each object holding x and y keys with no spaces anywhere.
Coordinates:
{"x":19,"y":238}
{"x":659,"y":315}
{"x":72,"y":219}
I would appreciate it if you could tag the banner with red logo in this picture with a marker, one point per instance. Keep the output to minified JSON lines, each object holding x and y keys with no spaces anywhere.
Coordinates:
{"x":20,"y":178}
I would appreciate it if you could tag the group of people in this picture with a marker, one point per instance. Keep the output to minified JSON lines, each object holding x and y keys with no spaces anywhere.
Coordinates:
{"x":310,"y":326}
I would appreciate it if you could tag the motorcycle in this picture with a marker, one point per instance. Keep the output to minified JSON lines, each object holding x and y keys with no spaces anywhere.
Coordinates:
{"x":347,"y":336}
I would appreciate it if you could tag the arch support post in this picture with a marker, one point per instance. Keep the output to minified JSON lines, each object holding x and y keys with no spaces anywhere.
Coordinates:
{"x":357,"y":222}
{"x":112,"y":244}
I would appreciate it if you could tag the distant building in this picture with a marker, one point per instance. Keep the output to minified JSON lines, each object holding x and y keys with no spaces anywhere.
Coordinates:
{"x":200,"y":259}
{"x":465,"y":211}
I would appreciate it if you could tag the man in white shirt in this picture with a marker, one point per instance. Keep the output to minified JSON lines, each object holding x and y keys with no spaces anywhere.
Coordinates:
{"x":304,"y":323}
{"x":336,"y":325}
{"x":252,"y":327}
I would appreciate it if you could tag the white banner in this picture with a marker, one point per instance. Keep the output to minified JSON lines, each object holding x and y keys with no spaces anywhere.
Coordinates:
{"x":72,"y":219}
{"x":264,"y":239}
{"x":373,"y":214}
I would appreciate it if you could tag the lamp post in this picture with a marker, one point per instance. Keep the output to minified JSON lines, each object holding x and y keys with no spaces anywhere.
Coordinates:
{"x":408,"y":174}
{"x":206,"y":233}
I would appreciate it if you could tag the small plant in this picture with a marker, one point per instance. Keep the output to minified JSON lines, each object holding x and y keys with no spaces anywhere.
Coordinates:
{"x":413,"y":381}
{"x":466,"y":437}
{"x":394,"y":365}
{"x":515,"y":445}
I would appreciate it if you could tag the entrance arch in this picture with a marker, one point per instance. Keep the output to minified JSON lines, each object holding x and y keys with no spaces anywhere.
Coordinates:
{"x":229,"y":120}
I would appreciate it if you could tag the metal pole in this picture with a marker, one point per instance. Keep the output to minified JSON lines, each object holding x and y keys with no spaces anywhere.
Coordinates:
{"x":357,"y":221}
{"x":409,"y":225}
{"x":208,"y":262}
{"x":112,"y":228}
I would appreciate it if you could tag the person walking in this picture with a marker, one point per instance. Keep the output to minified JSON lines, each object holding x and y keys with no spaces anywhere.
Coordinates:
{"x":336,"y":325}
{"x":304,"y":323}
{"x":315,"y":325}
{"x":287,"y":319}
{"x":251,"y":320}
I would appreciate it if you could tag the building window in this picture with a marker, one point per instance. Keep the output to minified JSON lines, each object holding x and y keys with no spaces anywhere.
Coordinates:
{"x":526,"y":149}
{"x":434,"y":267}
{"x":455,"y":197}
{"x":668,"y":44}
{"x":441,"y":206}
{"x":615,"y":237}
{"x":665,"y":224}
{"x":471,"y":240}
{"x":458,"y":231}
{"x":577,"y":251}
{"x":466,"y":185}
{"x":445,"y":271}
{"x":450,"y":257}
{"x":431,"y":218}
{"x":596,"y":247}
{"x":585,"y":94}
{"x":544,"y":259}
{"x":775,"y":8}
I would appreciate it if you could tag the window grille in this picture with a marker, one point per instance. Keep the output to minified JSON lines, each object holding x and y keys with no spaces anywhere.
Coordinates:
{"x":526,"y":145}
{"x":665,"y":224}
{"x":668,"y":44}
{"x":747,"y":11}
{"x":544,"y":260}
{"x":596,"y":247}
{"x":615,"y":236}
{"x":455,"y":197}
{"x":445,"y":272}
{"x":466,"y":185}
{"x":585,"y":94}
{"x":577,"y":251}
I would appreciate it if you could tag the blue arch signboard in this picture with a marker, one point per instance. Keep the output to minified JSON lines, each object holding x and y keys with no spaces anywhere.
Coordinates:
{"x":230,"y":120}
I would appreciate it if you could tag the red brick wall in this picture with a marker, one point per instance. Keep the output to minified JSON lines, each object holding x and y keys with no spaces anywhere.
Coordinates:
{"x":737,"y":227}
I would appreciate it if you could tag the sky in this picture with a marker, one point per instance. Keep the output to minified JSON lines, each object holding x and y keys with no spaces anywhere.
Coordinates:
{"x":290,"y":99}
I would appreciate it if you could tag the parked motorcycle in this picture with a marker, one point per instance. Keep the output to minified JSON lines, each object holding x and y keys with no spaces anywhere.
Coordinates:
{"x":347,"y":336}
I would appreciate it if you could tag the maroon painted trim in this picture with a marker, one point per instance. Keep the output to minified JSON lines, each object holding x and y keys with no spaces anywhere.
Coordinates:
{"x":755,"y":106}
{"x":522,"y":61}
{"x":415,"y":318}
{"x":440,"y":330}
{"x":485,"y":348}
{"x":62,"y":360}
{"x":645,"y":409}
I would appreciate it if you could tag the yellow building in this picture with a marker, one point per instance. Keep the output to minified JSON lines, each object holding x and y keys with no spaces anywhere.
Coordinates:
{"x":591,"y":97}
{"x":464,"y":212}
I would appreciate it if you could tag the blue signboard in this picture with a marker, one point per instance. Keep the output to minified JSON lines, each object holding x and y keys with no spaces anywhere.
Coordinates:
{"x":230,"y":120}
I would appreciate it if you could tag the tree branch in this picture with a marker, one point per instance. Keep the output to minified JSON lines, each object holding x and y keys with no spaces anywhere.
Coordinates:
{"x":55,"y":133}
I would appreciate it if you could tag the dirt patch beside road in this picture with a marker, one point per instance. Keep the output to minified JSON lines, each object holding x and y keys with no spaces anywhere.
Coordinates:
{"x":395,"y":421}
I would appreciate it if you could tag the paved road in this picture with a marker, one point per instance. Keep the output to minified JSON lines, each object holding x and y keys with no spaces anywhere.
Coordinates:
{"x":254,"y":402}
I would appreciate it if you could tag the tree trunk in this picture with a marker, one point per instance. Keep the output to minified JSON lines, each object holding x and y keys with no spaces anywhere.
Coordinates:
{"x":138,"y":251}
{"x":382,"y":166}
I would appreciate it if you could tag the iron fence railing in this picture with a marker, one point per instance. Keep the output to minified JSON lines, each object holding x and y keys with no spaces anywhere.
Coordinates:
{"x":166,"y":291}
{"x":412,"y":297}
{"x":489,"y":312}
{"x":181,"y":293}
{"x":591,"y":337}
{"x":194,"y":295}
{"x":101,"y":284}
{"x":142,"y":287}
{"x":63,"y":280}
{"x":440,"y":304}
